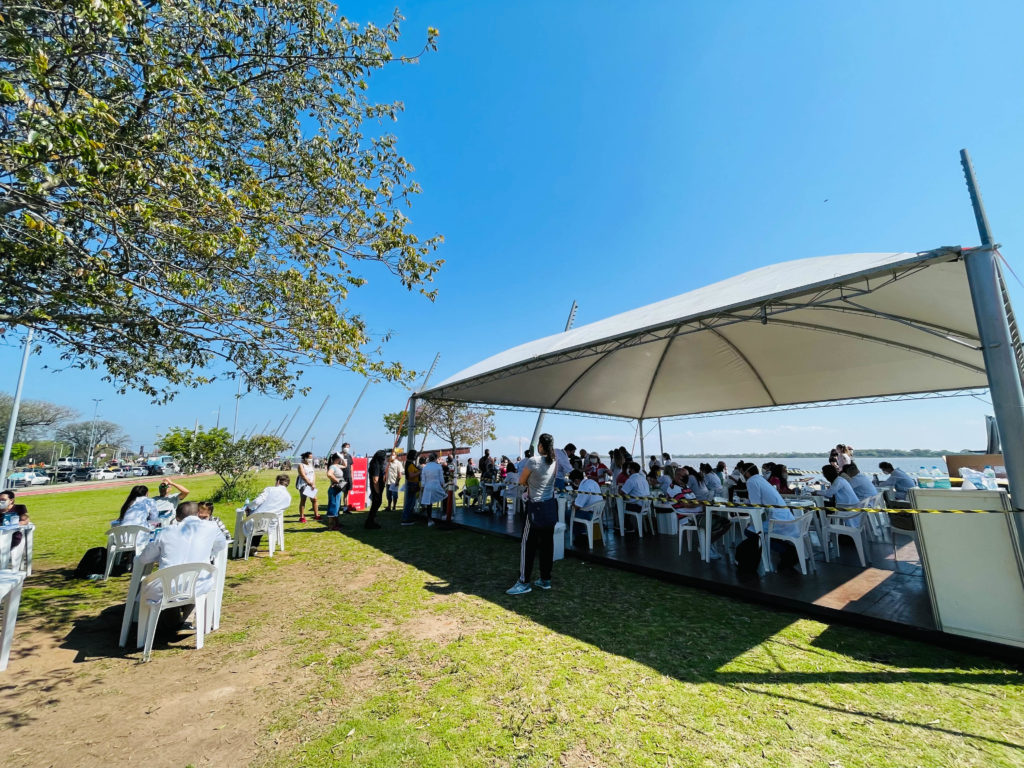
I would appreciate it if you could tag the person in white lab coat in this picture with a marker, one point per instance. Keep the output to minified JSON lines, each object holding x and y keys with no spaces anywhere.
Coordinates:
{"x":191,"y":541}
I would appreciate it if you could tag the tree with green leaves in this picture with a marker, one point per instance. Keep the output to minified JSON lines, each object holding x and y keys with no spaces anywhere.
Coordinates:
{"x":457,"y":424}
{"x":233,"y":460}
{"x":190,"y":190}
{"x":99,"y":435}
{"x":397,"y":423}
{"x":35,"y":417}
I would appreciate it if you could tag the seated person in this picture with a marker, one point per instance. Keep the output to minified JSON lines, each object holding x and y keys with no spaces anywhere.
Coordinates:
{"x":779,"y":478}
{"x":687,"y":499}
{"x":273,"y":498}
{"x":839,"y":489}
{"x":206,"y":513}
{"x":897,"y":479}
{"x":664,"y":479}
{"x":588,"y":493}
{"x":762,"y":494}
{"x":860,"y":483}
{"x":472,"y":493}
{"x":193,"y":541}
{"x":138,"y":509}
{"x":695,"y":482}
{"x":712,"y":481}
{"x":14,"y":514}
{"x":165,"y":503}
{"x":595,"y":469}
{"x":635,"y":486}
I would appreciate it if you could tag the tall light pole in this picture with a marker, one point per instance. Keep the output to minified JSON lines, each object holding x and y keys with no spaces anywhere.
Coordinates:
{"x":92,"y":429}
{"x":9,"y":442}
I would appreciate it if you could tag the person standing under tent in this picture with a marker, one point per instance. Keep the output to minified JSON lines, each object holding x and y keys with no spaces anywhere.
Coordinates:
{"x":564,"y":458}
{"x":305,"y":483}
{"x":394,"y":478}
{"x":377,"y":478}
{"x":541,"y":516}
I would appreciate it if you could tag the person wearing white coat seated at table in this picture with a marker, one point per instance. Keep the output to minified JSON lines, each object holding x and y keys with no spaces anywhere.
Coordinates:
{"x":840,"y":491}
{"x":273,"y":498}
{"x":761,"y":493}
{"x":191,"y":541}
{"x":636,"y":485}
{"x":712,"y":481}
{"x":862,"y":486}
{"x":432,"y":483}
{"x":139,"y":509}
{"x":897,"y":479}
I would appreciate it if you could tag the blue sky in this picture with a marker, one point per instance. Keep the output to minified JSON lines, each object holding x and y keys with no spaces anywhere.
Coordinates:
{"x":618,"y":154}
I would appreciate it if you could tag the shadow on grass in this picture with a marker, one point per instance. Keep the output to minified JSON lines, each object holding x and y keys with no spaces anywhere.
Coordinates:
{"x":688,"y":634}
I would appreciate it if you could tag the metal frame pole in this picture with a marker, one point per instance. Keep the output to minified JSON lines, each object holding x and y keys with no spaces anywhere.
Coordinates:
{"x":540,"y":416}
{"x":15,"y":407}
{"x":997,"y":348}
{"x":643,"y":460}
{"x":410,"y":444}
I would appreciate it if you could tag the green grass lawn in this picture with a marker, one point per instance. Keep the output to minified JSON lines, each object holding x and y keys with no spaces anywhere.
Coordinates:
{"x":422,"y":660}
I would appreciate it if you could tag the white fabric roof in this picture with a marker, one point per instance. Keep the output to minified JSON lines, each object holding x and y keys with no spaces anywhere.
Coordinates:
{"x":837,"y":327}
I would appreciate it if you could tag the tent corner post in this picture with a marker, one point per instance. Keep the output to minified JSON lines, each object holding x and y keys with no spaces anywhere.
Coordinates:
{"x":411,"y":440}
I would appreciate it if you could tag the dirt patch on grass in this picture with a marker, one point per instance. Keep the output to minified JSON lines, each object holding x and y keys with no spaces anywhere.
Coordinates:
{"x":75,"y":698}
{"x":578,"y":757}
{"x":433,"y":627}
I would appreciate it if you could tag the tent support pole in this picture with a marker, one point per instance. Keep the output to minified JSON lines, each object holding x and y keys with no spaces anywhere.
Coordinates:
{"x":643,"y":460}
{"x":411,"y":439}
{"x":997,"y":348}
{"x":661,"y":438}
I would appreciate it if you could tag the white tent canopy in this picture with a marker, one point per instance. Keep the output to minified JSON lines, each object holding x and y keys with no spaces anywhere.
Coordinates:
{"x":827,"y":328}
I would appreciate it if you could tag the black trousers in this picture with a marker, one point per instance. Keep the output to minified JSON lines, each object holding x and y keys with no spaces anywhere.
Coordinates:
{"x":376,"y":497}
{"x":537,"y":542}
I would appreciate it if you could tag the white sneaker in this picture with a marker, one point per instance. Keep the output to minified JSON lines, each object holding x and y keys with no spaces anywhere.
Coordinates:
{"x":714,"y":553}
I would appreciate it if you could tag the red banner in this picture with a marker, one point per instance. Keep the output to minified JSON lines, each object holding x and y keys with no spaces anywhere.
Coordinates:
{"x":357,"y":493}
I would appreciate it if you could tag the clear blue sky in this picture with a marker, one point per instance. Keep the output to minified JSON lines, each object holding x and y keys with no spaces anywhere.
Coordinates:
{"x":622,"y":153}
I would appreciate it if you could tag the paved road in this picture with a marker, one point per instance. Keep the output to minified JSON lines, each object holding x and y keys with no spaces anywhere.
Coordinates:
{"x":96,"y":485}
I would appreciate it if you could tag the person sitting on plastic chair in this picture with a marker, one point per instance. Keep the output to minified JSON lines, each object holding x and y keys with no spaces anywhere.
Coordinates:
{"x":191,"y":541}
{"x":472,"y":494}
{"x":273,"y":498}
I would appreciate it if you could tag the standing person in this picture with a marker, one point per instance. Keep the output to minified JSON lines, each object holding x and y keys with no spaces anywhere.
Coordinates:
{"x":564,"y":458}
{"x":336,"y":477}
{"x":346,"y":465}
{"x":541,"y":515}
{"x":595,"y":469}
{"x":377,"y":476}
{"x":394,"y":478}
{"x":306,"y":485}
{"x":432,"y":478}
{"x":412,"y":488}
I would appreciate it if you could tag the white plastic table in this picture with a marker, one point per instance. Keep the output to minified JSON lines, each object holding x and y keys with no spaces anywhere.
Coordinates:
{"x":10,"y":598}
{"x":7,"y":535}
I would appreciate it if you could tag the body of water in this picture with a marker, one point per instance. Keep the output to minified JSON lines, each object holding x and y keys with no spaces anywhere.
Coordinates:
{"x":867,"y":465}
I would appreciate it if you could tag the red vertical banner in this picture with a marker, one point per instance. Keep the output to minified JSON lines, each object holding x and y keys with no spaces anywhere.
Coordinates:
{"x":357,"y":493}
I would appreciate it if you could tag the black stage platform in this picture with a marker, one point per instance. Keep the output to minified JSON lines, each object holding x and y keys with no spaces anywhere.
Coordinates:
{"x":887,"y":595}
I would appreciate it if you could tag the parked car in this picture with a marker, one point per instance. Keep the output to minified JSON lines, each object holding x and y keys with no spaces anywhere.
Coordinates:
{"x":102,"y":474}
{"x":82,"y":473}
{"x":138,"y":472}
{"x":122,"y":471}
{"x":28,"y":477}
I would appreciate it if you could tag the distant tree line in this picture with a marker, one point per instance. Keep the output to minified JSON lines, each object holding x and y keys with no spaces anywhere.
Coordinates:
{"x":859,"y":453}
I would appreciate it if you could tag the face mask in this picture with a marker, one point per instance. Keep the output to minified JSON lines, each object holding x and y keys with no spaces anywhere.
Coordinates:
{"x":594,"y":460}
{"x":767,"y":473}
{"x":4,"y":504}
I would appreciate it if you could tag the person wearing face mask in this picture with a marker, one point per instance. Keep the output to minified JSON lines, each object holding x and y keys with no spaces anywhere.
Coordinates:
{"x":594,"y":469}
{"x":14,"y":514}
{"x":306,"y":485}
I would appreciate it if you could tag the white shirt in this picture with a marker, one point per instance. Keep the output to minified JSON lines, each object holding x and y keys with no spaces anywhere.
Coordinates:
{"x":762,"y":494}
{"x":563,"y":465}
{"x":274,"y":498}
{"x":899,"y":480}
{"x":636,"y":485}
{"x":664,"y":482}
{"x":194,"y":541}
{"x":432,"y":483}
{"x":143,"y":511}
{"x":588,"y":493}
{"x":699,"y":489}
{"x":714,"y":484}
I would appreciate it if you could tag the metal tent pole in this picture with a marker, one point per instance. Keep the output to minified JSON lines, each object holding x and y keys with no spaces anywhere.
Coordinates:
{"x":15,"y":406}
{"x":997,"y":348}
{"x":643,"y":461}
{"x":410,"y":445}
{"x":661,"y":438}
{"x":540,"y":416}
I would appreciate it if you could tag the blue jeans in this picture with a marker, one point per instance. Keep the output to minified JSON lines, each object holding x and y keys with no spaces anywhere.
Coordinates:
{"x":333,"y":500}
{"x":409,"y":507}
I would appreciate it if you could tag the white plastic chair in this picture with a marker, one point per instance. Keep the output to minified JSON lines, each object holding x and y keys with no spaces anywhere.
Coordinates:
{"x":512,"y":492}
{"x":20,"y":557}
{"x":850,"y":524}
{"x":687,"y":518}
{"x":261,"y":523}
{"x":10,"y":598}
{"x":801,"y":539}
{"x":596,"y":511}
{"x":124,"y":538}
{"x":178,"y":584}
{"x":645,"y":514}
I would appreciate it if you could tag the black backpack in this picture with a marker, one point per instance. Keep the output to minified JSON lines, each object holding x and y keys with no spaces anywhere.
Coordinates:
{"x":748,"y":556}
{"x":94,"y":562}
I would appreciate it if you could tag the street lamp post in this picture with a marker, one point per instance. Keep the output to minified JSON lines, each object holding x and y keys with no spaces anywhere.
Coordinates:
{"x":92,"y":429}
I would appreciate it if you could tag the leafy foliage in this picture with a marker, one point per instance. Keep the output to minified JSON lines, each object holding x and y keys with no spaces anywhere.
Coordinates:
{"x":234,"y":461}
{"x":186,"y":188}
{"x":399,"y":420}
{"x":35,"y":417}
{"x":99,"y":435}
{"x":19,"y":451}
{"x":457,"y":424}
